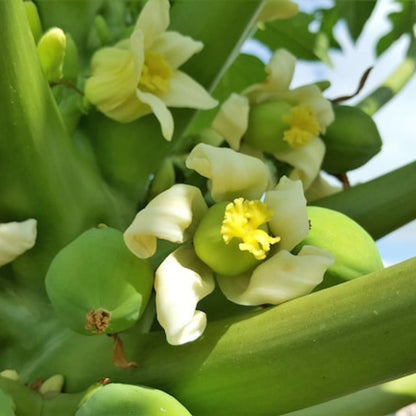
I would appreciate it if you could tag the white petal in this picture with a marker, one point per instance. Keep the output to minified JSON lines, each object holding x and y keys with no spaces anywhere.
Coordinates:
{"x":232,"y":119}
{"x":185,"y":92}
{"x":182,"y":280}
{"x":280,"y":69}
{"x":16,"y":238}
{"x":311,"y":96}
{"x":277,"y":9}
{"x":290,"y":217}
{"x":320,"y":188}
{"x":172,"y":215}
{"x":306,"y":161}
{"x":160,"y":111}
{"x":280,"y":278}
{"x":153,"y":20}
{"x":231,"y":174}
{"x":176,"y":48}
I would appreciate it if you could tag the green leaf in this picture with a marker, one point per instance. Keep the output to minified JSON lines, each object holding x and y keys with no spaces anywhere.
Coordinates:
{"x":294,"y":35}
{"x":402,"y":23}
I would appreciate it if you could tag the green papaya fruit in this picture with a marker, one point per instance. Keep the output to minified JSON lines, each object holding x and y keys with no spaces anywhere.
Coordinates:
{"x":125,"y":399}
{"x":351,"y":140}
{"x":355,"y":252}
{"x":224,"y":259}
{"x":96,"y":285}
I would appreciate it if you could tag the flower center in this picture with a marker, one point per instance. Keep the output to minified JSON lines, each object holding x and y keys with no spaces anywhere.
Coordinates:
{"x":242,"y":219}
{"x":156,"y":73}
{"x":304,"y":126}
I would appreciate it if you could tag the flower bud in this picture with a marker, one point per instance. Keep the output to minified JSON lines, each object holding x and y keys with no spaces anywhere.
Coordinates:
{"x":209,"y":244}
{"x":351,"y":140}
{"x":53,"y":384}
{"x":51,"y":51}
{"x":125,"y":399}
{"x":266,"y":126}
{"x":355,"y":252}
{"x":34,"y":20}
{"x":96,"y":285}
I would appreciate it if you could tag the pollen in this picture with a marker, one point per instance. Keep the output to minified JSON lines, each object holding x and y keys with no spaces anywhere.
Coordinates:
{"x":156,"y":73}
{"x":304,"y":126}
{"x":242,"y":219}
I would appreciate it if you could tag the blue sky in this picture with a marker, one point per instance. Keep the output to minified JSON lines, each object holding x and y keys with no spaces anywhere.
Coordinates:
{"x":394,"y":120}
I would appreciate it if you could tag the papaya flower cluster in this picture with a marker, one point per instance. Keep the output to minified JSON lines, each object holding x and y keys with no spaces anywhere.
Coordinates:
{"x":16,"y":238}
{"x":243,"y":241}
{"x":140,"y":75}
{"x":277,"y":120}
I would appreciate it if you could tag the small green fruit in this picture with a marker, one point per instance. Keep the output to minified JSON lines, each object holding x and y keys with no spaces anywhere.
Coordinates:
{"x":351,"y":140}
{"x":224,"y":259}
{"x":96,"y":285}
{"x":125,"y":399}
{"x":266,"y":126}
{"x":355,"y":252}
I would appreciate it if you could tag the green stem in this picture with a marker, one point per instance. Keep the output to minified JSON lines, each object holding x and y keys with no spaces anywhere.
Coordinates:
{"x":392,"y":85}
{"x":306,"y":351}
{"x":381,"y":205}
{"x":43,"y":176}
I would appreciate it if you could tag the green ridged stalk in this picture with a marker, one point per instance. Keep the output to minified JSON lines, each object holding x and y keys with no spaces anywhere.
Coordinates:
{"x":381,"y":205}
{"x":306,"y":351}
{"x":42,"y":174}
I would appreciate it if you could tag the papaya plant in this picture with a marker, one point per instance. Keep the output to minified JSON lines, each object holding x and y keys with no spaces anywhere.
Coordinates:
{"x":171,"y":239}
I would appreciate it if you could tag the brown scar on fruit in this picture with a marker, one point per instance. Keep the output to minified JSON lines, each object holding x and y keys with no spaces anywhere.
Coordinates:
{"x":97,"y":321}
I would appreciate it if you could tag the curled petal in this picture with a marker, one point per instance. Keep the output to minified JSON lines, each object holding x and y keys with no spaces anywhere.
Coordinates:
{"x":172,"y":215}
{"x":186,"y":92}
{"x":16,"y":238}
{"x":231,"y":174}
{"x":232,"y":119}
{"x":182,"y":280}
{"x":282,"y":277}
{"x":160,"y":110}
{"x":176,"y":48}
{"x":153,"y":20}
{"x":280,"y":71}
{"x":306,"y":161}
{"x":290,"y":217}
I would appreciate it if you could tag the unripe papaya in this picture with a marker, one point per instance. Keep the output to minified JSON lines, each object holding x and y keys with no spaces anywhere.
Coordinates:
{"x":266,"y":126}
{"x":224,"y":259}
{"x":355,"y":252}
{"x":125,"y":399}
{"x":96,"y":285}
{"x":351,"y":140}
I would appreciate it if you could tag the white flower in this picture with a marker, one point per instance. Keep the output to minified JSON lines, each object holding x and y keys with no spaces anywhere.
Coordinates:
{"x":15,"y":239}
{"x":140,"y":75}
{"x":305,"y":112}
{"x":256,"y":233}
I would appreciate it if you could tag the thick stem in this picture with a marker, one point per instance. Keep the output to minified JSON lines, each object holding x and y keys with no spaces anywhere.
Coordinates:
{"x":298,"y":354}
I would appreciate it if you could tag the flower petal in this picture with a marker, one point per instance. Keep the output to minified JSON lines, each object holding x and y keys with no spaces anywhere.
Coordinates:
{"x":232,"y":119}
{"x":160,"y":110}
{"x":172,"y":215}
{"x":282,"y":277}
{"x":186,"y":92}
{"x":16,"y":238}
{"x":306,"y":161}
{"x":290,"y":217}
{"x":320,"y":188}
{"x":176,"y":48}
{"x":280,"y":69}
{"x":277,"y":9}
{"x":153,"y":20}
{"x":231,"y":174}
{"x":182,"y":280}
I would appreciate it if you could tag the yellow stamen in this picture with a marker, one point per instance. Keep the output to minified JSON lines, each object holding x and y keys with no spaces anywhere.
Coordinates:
{"x":241,"y":220}
{"x":304,"y":126}
{"x":156,"y":73}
